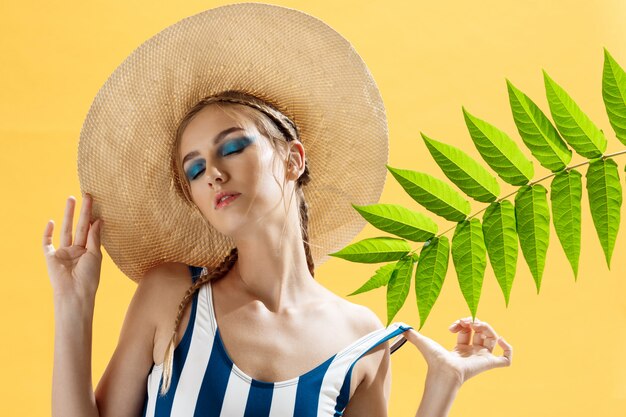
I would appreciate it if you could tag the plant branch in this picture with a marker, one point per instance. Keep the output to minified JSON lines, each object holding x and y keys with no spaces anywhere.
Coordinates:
{"x":535,"y":182}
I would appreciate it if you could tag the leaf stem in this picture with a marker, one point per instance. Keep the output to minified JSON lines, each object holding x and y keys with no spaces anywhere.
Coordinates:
{"x":535,"y":182}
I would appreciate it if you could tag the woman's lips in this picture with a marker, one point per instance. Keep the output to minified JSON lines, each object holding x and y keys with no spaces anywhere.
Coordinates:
{"x":227,"y":201}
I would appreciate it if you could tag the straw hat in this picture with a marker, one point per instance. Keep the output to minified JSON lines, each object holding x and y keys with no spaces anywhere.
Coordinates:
{"x":288,"y":58}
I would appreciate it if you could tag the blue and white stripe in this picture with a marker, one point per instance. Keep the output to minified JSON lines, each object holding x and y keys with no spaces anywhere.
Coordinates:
{"x":205,"y":381}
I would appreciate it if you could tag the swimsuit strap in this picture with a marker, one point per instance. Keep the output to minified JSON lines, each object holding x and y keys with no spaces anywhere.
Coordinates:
{"x":196,"y":271}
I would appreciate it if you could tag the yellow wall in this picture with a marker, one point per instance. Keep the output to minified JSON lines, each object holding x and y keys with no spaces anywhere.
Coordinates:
{"x":429,"y":59}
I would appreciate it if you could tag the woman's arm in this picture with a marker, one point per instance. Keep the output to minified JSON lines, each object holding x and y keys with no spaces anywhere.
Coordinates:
{"x":72,"y":393}
{"x":74,"y":272}
{"x":122,"y":389}
{"x":371,"y":397}
{"x":447,"y":370}
{"x":439,"y":392}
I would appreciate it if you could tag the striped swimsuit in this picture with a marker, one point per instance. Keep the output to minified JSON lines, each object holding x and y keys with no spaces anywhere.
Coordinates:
{"x":206,"y":382}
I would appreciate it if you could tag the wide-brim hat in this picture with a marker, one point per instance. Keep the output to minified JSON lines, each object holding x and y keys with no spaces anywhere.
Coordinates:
{"x":288,"y":58}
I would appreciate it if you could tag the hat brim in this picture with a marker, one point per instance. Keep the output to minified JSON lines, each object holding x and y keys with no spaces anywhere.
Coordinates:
{"x":289,"y":58}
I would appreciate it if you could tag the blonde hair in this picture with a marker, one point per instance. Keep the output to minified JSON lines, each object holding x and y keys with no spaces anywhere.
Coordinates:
{"x":280,"y":130}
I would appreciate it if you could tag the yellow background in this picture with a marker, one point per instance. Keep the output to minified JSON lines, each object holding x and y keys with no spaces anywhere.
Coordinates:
{"x":429,"y":59}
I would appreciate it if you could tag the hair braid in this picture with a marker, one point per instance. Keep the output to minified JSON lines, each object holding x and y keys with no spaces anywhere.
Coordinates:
{"x":216,"y":273}
{"x":304,"y":221}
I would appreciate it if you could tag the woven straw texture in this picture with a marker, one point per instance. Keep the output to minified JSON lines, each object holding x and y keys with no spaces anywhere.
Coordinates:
{"x":284,"y":56}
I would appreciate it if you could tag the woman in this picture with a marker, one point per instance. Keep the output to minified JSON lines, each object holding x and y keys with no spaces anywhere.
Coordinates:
{"x":257,"y":315}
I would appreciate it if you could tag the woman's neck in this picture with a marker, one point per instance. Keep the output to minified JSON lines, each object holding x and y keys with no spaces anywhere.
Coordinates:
{"x":274,"y":271}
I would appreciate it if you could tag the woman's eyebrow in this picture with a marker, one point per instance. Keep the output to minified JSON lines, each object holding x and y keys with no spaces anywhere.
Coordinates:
{"x":220,"y":136}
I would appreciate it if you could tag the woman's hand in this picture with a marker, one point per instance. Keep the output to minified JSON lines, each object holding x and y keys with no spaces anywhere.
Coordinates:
{"x":74,"y":268}
{"x":472,"y":354}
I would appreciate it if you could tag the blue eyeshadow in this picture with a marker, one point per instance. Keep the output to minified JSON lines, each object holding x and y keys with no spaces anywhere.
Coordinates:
{"x":195,"y":169}
{"x":235,"y":145}
{"x":230,"y":147}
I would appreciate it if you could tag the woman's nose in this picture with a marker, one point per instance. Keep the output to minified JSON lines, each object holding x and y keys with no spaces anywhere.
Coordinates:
{"x":214,"y":176}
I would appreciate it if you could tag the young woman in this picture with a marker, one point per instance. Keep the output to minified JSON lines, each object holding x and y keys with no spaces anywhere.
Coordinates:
{"x":254,"y":334}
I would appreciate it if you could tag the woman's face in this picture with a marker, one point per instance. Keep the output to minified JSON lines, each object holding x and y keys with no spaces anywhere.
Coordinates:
{"x":219,"y":155}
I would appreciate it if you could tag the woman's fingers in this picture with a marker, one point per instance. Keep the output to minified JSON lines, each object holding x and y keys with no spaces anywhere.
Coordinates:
{"x":485,"y":328}
{"x":424,"y":344}
{"x":87,"y":234}
{"x":66,"y":227}
{"x":83,"y":222}
{"x":48,"y":247}
{"x":485,"y":335}
{"x":483,"y":339}
{"x":465,"y":331}
{"x":479,"y":334}
{"x":93,"y":241}
{"x":416,"y":338}
{"x":507,"y":358}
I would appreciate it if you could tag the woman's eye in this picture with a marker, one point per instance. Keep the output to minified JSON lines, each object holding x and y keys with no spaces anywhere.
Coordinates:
{"x":195,"y":171}
{"x":233,"y":151}
{"x":232,"y":147}
{"x":235,"y":146}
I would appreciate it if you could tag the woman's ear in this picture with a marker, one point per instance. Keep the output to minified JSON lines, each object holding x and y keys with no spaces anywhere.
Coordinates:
{"x":295,"y":165}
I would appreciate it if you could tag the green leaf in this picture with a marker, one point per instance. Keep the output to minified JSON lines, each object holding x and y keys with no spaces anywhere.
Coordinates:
{"x":533,"y":227}
{"x":381,"y":277}
{"x":499,"y":151}
{"x":500,"y":233}
{"x":537,"y":132}
{"x":373,"y":250}
{"x":614,"y":95}
{"x":435,"y":195}
{"x":399,"y":286}
{"x":574,"y":125}
{"x":470,"y":259}
{"x":605,"y":200}
{"x":565,"y":196}
{"x":398,"y":220}
{"x":464,"y":171}
{"x":430,"y":274}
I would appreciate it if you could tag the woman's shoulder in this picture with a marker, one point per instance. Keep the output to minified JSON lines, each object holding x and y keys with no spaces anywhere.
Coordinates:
{"x":167,"y":283}
{"x":362,"y":321}
{"x":360,"y":318}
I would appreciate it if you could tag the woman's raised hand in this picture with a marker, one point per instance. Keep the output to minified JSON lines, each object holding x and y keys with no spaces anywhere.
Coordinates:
{"x":472,"y":354}
{"x":74,"y":268}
